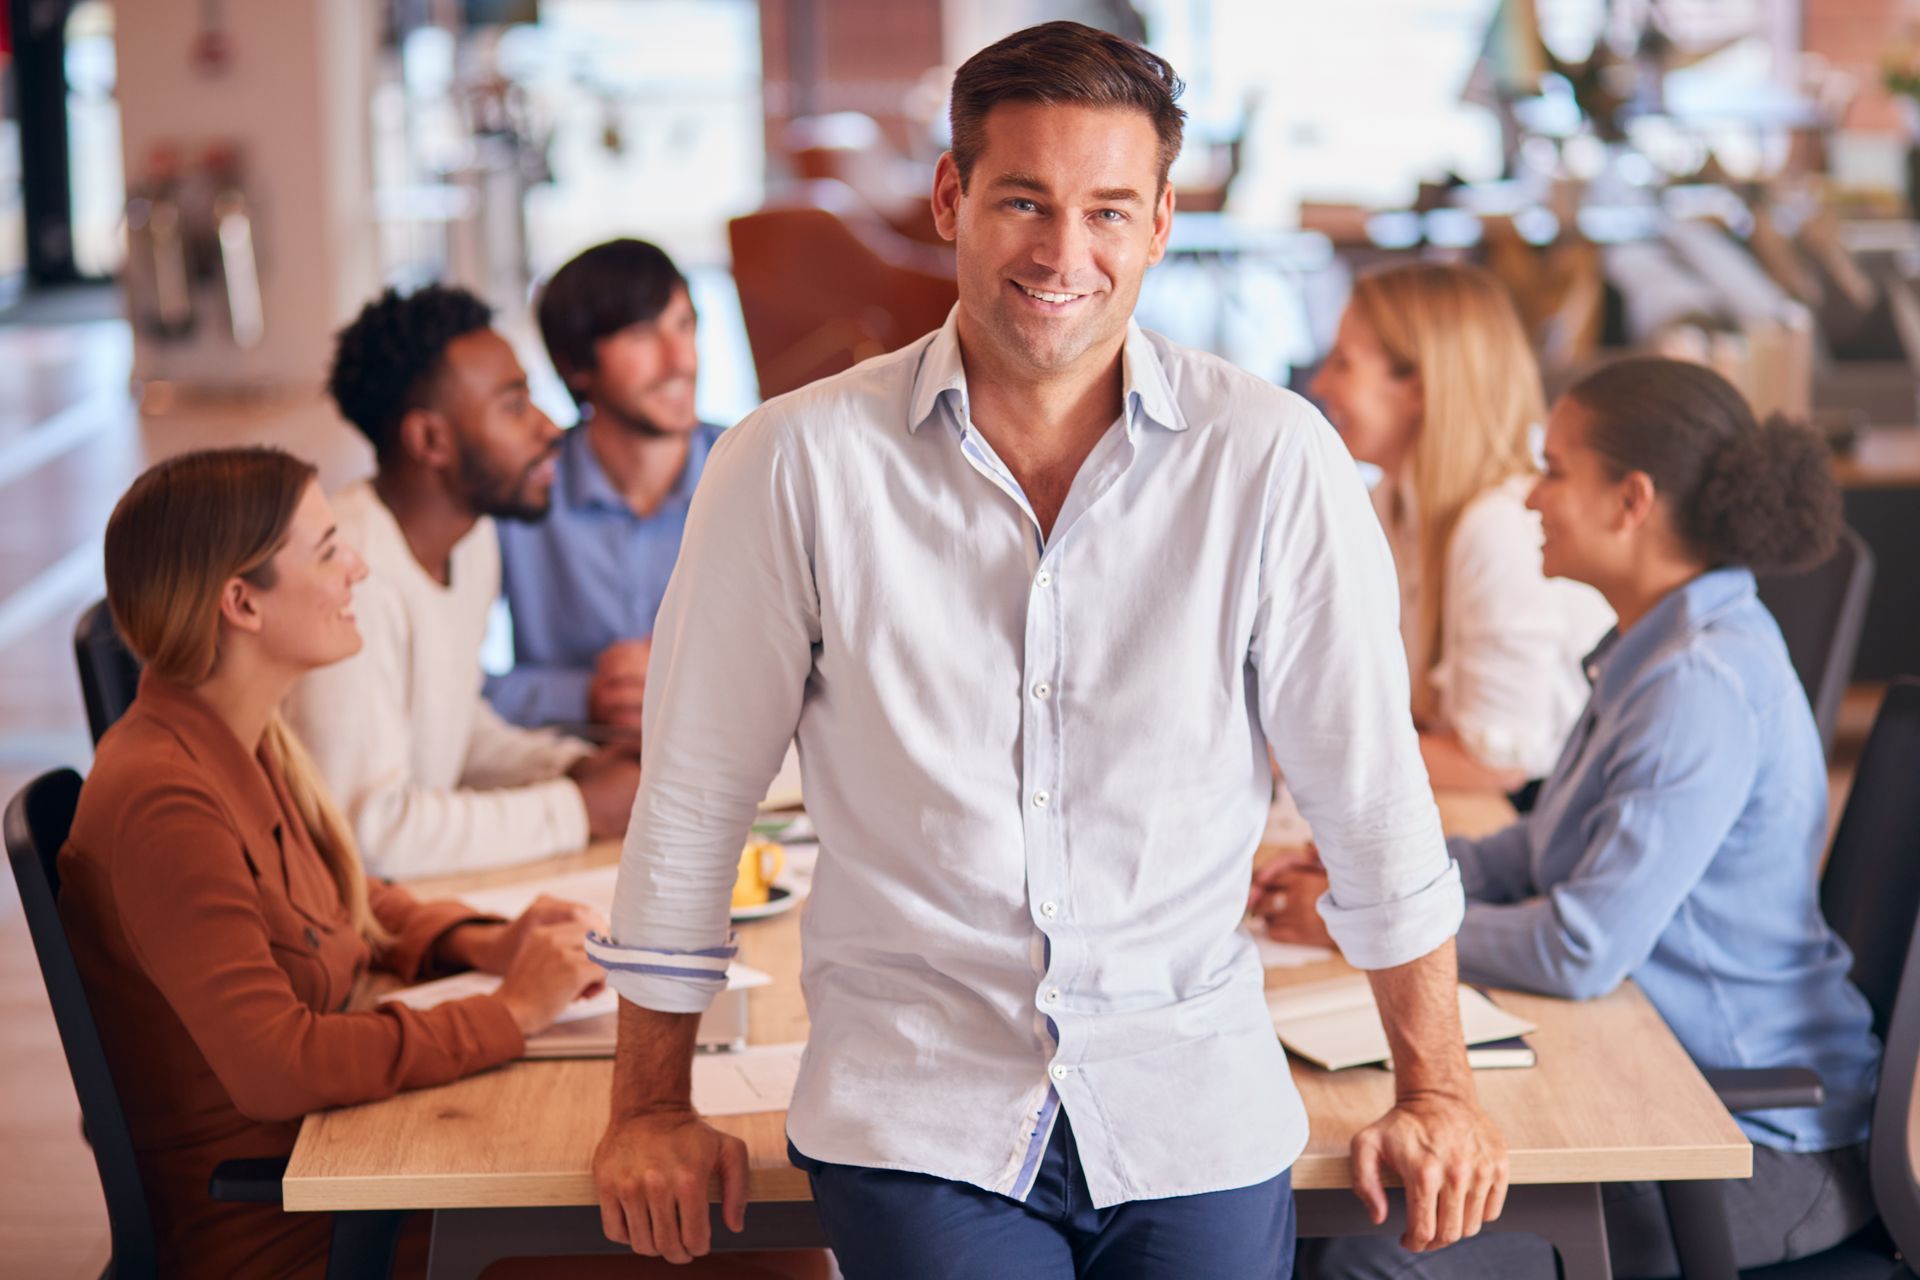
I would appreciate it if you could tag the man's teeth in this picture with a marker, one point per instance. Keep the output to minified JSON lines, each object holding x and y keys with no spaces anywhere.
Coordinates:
{"x":1044,"y":296}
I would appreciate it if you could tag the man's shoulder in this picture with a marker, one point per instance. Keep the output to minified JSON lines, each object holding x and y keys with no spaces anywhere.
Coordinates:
{"x":1226,"y":403}
{"x":876,"y":393}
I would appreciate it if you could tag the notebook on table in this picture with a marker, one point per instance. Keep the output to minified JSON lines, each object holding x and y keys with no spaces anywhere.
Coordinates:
{"x":1336,"y":1024}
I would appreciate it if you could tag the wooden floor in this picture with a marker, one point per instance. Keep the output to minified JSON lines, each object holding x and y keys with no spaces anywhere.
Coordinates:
{"x":70,"y":440}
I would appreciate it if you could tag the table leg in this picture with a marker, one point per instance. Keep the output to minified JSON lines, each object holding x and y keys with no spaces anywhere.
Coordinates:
{"x":1570,"y":1217}
{"x":468,"y":1241}
{"x":363,"y":1243}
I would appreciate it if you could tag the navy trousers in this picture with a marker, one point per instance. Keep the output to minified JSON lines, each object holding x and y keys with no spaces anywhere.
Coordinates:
{"x":887,"y":1225}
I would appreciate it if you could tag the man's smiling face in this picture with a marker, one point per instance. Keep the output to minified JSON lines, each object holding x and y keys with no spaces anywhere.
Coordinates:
{"x":1058,"y":223}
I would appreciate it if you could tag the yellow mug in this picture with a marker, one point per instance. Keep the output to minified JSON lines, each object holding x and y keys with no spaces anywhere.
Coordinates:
{"x":760,"y":862}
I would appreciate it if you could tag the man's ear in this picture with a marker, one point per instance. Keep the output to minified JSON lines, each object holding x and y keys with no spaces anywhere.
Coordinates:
{"x":1162,"y":224}
{"x":239,"y":606}
{"x":426,"y":436}
{"x":947,"y":191}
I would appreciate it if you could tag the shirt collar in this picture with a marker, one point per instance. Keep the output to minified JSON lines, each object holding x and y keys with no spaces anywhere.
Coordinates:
{"x":243,"y":779}
{"x":586,"y":484}
{"x":1144,"y":386}
{"x":1681,"y":613}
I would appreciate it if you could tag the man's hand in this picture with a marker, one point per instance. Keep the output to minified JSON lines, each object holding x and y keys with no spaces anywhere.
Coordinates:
{"x":652,"y":1172}
{"x":607,"y":780}
{"x":1451,"y":1160}
{"x":619,"y":683}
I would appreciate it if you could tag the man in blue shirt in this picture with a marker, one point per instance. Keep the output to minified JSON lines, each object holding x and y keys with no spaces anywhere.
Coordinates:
{"x":584,"y":584}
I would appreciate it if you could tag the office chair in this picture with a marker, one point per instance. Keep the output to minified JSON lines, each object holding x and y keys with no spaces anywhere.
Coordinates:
{"x":36,"y":826}
{"x":109,"y":673}
{"x":1870,"y":894}
{"x":1820,"y":612}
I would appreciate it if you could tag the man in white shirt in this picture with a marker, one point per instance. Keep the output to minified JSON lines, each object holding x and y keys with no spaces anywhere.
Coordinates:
{"x":432,"y":779}
{"x":1035,"y":593}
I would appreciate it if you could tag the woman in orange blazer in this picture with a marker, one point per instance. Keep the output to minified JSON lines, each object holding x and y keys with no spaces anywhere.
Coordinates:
{"x":213,"y":895}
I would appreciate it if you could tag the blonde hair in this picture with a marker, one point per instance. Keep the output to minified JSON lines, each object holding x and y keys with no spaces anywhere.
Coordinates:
{"x":186,"y":528}
{"x":1456,"y":329}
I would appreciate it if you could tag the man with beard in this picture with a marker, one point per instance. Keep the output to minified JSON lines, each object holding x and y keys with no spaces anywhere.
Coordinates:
{"x":585,"y":583}
{"x":431,"y":778}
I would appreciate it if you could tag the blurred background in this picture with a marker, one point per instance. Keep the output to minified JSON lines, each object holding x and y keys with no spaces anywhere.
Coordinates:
{"x":195,"y":194}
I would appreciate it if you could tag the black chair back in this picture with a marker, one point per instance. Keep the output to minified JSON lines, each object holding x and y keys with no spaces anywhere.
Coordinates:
{"x":109,"y":673}
{"x":1820,"y":612}
{"x":36,"y":827}
{"x":1870,"y":891}
{"x":1871,"y":894}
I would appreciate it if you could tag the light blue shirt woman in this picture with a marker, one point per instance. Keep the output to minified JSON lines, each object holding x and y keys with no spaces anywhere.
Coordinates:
{"x":1677,"y":842}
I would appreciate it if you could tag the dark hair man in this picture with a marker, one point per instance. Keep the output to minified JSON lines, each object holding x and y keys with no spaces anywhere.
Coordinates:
{"x":431,"y":779}
{"x":584,"y":584}
{"x":1036,"y":592}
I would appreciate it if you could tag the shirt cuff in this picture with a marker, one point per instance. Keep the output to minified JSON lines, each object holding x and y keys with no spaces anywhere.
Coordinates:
{"x":1393,"y":933}
{"x":663,"y":980}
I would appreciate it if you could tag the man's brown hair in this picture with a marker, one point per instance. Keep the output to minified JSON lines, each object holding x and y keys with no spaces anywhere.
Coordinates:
{"x":1064,"y":63}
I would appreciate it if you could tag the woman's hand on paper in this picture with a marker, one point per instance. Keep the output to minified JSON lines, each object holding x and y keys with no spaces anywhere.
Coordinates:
{"x":492,"y":947}
{"x":549,"y":971}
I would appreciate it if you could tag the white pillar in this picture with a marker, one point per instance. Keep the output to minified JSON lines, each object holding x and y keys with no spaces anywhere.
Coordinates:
{"x":291,"y":101}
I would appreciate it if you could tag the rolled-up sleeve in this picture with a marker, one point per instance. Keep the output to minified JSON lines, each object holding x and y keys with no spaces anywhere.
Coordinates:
{"x":732,"y":650}
{"x":1334,"y":704}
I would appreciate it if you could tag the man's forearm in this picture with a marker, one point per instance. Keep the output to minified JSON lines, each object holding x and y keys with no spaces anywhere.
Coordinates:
{"x":1420,"y":1009}
{"x":653,"y":1061}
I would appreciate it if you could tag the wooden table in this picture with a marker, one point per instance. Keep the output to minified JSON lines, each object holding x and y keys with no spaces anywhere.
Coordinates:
{"x":503,"y":1158}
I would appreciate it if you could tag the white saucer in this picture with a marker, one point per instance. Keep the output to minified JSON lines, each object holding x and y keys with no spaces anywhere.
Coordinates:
{"x":778,"y":900}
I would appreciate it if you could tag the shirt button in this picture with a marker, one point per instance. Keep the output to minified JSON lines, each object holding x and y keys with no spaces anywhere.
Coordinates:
{"x":1040,"y":799}
{"x":1053,"y":996}
{"x":1049,"y":909}
{"x":1059,"y":1072}
{"x":1593,"y":671}
{"x":1043,"y":690}
{"x":1042,"y":578}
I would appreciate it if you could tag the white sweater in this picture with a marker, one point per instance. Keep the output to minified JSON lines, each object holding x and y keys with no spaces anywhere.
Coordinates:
{"x":432,"y":780}
{"x":1508,"y":681}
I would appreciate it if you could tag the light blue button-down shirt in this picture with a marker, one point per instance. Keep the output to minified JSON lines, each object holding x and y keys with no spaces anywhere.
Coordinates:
{"x":1038,"y":766}
{"x":1677,"y":843}
{"x":591,"y":573}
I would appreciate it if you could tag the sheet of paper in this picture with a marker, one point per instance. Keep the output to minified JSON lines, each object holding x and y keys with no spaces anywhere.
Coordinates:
{"x":593,"y":887}
{"x":426,"y":995}
{"x":746,"y":1081}
{"x":1337,"y":1025}
{"x":1283,"y":955}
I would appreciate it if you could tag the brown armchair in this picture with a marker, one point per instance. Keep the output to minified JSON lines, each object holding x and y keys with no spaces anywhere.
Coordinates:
{"x":825,"y":283}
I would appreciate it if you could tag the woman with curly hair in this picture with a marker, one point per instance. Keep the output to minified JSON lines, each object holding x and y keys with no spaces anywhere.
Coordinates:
{"x":1677,"y":841}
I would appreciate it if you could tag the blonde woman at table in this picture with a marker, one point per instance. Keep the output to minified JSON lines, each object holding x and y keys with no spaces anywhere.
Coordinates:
{"x":1677,"y":841}
{"x":212,"y":893}
{"x":1431,"y":380}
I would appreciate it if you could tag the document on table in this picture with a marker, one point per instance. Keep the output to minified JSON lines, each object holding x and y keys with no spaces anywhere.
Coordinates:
{"x":1337,"y":1025}
{"x":746,"y":1081}
{"x":592,"y":887}
{"x":584,"y":1029}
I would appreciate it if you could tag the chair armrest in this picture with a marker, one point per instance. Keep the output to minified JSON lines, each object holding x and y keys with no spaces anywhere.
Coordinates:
{"x":248,"y":1181}
{"x":1766,"y":1088}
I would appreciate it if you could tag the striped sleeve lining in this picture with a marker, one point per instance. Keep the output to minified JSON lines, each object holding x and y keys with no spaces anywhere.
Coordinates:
{"x":708,"y":965}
